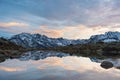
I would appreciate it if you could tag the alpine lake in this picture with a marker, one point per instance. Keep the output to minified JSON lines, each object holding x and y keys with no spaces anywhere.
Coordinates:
{"x":49,"y":65}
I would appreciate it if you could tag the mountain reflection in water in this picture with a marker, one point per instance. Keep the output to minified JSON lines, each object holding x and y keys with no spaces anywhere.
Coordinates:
{"x":55,"y":68}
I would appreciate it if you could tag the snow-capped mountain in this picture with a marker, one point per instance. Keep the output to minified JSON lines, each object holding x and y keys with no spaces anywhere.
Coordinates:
{"x":41,"y":41}
{"x":107,"y":37}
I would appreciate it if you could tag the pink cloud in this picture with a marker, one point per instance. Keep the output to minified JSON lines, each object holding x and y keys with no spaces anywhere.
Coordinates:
{"x":10,"y":69}
{"x":13,"y":24}
{"x":49,"y":32}
{"x":76,"y":32}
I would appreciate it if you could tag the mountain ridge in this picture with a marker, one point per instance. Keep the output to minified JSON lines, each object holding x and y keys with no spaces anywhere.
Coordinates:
{"x":28,"y":40}
{"x":39,"y":41}
{"x":106,"y":37}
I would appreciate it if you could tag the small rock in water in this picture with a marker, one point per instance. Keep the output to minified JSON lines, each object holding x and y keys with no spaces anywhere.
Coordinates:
{"x":106,"y":64}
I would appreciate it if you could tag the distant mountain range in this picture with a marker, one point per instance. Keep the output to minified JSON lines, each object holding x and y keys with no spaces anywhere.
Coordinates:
{"x":28,"y":40}
{"x":18,"y":44}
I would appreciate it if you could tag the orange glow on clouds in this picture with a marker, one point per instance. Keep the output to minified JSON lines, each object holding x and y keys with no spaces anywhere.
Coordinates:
{"x":70,"y":32}
{"x":8,"y":69}
{"x":49,"y":32}
{"x":76,"y":32}
{"x":13,"y":24}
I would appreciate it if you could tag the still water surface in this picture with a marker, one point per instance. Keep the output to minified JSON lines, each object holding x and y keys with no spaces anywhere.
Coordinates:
{"x":55,"y":68}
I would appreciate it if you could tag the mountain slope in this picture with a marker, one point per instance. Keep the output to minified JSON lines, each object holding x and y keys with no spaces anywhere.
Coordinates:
{"x":41,"y":41}
{"x":7,"y":45}
{"x":107,"y":37}
{"x":9,"y":49}
{"x":28,"y":40}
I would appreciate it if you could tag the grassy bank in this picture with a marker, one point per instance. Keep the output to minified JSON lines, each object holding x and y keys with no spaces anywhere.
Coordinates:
{"x":99,"y":49}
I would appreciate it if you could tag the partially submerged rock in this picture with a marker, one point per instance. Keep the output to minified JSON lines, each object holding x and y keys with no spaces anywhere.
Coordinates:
{"x":106,"y":64}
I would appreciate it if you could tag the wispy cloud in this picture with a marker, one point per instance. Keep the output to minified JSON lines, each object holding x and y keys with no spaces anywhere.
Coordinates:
{"x":77,"y":32}
{"x":8,"y":69}
{"x":13,"y":24}
{"x":49,"y":32}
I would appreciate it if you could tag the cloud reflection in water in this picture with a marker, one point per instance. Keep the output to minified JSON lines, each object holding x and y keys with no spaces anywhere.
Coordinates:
{"x":54,"y":68}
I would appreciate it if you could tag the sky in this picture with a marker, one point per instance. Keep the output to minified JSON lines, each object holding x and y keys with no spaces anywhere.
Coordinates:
{"x":72,"y":19}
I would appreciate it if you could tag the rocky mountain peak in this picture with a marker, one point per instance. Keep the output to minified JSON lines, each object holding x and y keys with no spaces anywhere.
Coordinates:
{"x":37,"y":40}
